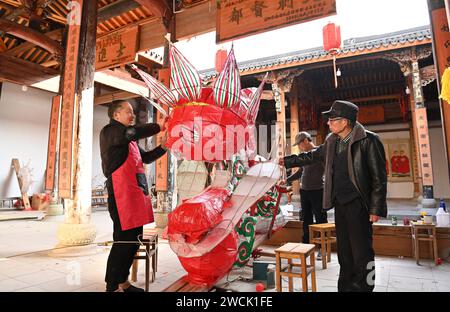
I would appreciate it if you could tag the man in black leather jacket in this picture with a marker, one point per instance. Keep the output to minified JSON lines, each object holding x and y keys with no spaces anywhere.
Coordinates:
{"x":355,"y":185}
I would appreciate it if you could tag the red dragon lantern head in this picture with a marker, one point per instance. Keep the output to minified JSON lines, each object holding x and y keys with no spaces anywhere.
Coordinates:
{"x":206,"y":124}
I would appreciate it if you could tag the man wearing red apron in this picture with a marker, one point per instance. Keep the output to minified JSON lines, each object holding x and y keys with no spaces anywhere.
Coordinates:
{"x":129,"y":201}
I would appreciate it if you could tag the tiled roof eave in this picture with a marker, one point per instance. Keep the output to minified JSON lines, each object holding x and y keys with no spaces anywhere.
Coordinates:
{"x":406,"y":39}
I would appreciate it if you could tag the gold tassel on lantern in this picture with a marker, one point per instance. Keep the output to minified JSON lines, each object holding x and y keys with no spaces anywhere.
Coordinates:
{"x":445,"y":86}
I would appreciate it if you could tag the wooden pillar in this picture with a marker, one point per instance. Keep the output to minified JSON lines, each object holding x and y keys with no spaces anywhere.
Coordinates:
{"x":439,"y":18}
{"x":423,"y":176}
{"x":294,"y":130}
{"x":416,"y":158}
{"x":447,"y":10}
{"x":162,"y":168}
{"x":77,"y":125}
{"x":422,"y":138}
{"x":280,"y":100}
{"x":163,"y":202}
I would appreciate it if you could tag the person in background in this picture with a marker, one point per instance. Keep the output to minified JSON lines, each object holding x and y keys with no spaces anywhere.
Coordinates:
{"x":311,"y":187}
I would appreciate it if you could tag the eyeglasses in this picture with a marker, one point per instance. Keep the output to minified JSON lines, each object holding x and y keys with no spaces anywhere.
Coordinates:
{"x":334,"y":119}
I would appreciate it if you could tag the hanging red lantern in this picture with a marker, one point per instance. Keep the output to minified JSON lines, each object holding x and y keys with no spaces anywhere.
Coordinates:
{"x":332,"y":38}
{"x":332,"y":43}
{"x":221,"y":56}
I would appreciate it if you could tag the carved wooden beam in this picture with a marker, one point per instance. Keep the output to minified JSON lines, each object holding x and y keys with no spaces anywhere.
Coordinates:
{"x":50,"y":63}
{"x":3,"y":46}
{"x":15,"y":12}
{"x":115,"y":9}
{"x":105,"y":13}
{"x":54,"y":34}
{"x":121,"y":81}
{"x":405,"y":58}
{"x":22,"y":72}
{"x":7,"y":6}
{"x":159,"y":8}
{"x":33,"y":36}
{"x":283,"y":78}
{"x":375,"y":98}
{"x":108,"y":98}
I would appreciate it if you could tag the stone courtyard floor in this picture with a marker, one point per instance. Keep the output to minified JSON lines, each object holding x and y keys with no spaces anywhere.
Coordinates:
{"x":28,"y":264}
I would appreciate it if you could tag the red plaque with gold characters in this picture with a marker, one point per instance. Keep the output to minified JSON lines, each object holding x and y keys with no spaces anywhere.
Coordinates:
{"x":162,"y":164}
{"x":117,"y":48}
{"x":424,"y":146}
{"x":52,"y":137}
{"x":240,"y":18}
{"x":68,"y":102}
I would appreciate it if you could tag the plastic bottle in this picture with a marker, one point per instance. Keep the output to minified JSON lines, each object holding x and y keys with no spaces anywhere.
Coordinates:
{"x":442,"y":205}
{"x":442,"y":217}
{"x":394,"y":220}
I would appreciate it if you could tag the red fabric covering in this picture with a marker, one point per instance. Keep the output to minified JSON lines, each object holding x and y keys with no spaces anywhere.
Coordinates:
{"x":212,"y":266}
{"x":196,"y":216}
{"x":198,"y":130}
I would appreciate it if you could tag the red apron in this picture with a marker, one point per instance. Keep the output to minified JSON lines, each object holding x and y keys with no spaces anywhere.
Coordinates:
{"x":133,"y":206}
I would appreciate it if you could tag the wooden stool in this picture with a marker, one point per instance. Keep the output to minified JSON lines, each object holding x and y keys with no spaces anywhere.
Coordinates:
{"x":148,"y":251}
{"x":291,"y":251}
{"x":424,"y":232}
{"x":325,"y":239}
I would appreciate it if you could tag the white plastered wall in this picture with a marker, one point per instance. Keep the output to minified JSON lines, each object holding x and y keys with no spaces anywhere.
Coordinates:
{"x":24,"y":123}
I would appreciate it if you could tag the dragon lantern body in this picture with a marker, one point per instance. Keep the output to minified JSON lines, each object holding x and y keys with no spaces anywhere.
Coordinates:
{"x":209,"y":124}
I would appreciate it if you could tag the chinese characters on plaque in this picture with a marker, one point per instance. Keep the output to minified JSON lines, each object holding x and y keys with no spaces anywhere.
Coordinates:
{"x":240,"y":18}
{"x":442,"y":39}
{"x":51,"y":150}
{"x":117,"y":48}
{"x":424,"y":146}
{"x":162,"y":164}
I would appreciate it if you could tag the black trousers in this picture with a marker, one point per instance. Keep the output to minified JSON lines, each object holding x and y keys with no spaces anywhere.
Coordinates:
{"x":311,"y":202}
{"x":354,"y":247}
{"x":122,"y":254}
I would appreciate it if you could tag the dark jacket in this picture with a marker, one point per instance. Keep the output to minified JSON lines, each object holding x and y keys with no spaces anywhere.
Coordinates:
{"x":367,"y":168}
{"x":114,"y":140}
{"x":311,"y":177}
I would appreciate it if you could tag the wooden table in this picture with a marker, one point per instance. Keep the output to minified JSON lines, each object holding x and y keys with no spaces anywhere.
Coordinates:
{"x":424,"y":232}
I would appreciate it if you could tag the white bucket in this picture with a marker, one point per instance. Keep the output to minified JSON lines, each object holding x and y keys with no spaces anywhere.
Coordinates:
{"x":427,"y":219}
{"x":442,"y":218}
